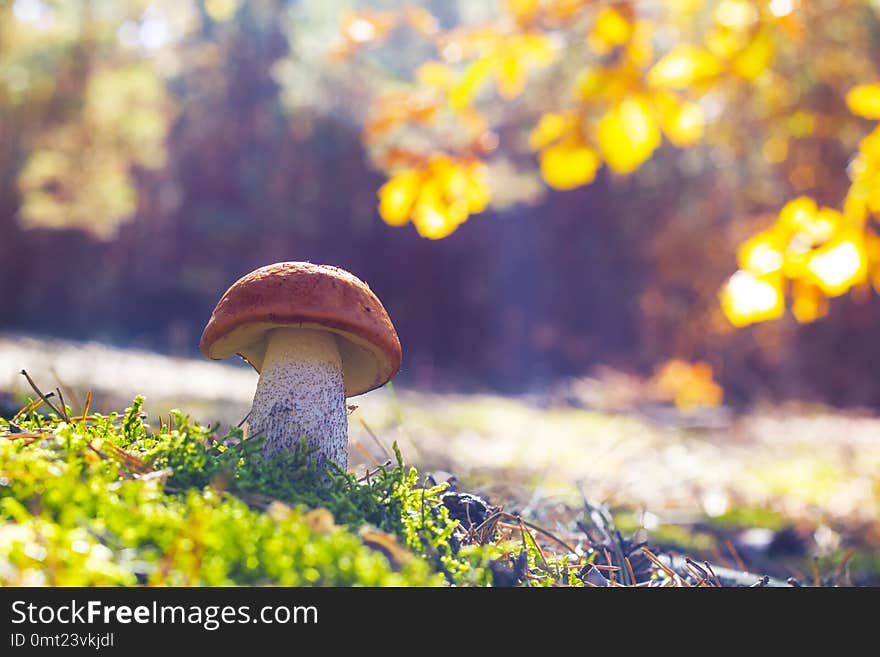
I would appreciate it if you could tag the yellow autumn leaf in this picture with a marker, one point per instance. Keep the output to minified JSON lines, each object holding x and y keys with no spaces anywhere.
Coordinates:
{"x":872,"y":248}
{"x":804,"y":226}
{"x":610,"y":29}
{"x":682,"y":67}
{"x":628,"y":134}
{"x":807,"y":224}
{"x":551,"y":127}
{"x":797,"y":212}
{"x":457,"y":211}
{"x":839,"y":265}
{"x":466,"y":183}
{"x":864,"y":100}
{"x":432,"y":223}
{"x":396,"y":197}
{"x":431,"y":216}
{"x":874,"y":196}
{"x":591,"y":83}
{"x":569,"y":164}
{"x":723,"y":42}
{"x":640,"y":49}
{"x":761,"y":254}
{"x":869,"y":149}
{"x":462,"y":93}
{"x":681,"y":121}
{"x":820,"y":227}
{"x":855,"y":205}
{"x":747,"y":298}
{"x":440,"y":166}
{"x":450,"y":178}
{"x":755,"y":58}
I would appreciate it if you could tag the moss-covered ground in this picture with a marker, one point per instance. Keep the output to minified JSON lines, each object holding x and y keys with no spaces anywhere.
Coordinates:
{"x":91,"y":499}
{"x":109,"y":500}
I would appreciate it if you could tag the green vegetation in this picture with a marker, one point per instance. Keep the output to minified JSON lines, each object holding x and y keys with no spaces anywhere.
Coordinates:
{"x":107,"y":500}
{"x":111,"y":500}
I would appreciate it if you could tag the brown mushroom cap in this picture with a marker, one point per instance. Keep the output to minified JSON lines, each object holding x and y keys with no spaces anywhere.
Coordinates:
{"x":304,"y":295}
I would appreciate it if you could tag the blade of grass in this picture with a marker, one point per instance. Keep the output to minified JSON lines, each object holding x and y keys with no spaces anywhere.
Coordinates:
{"x":64,"y":414}
{"x":41,"y":395}
{"x":632,"y":574}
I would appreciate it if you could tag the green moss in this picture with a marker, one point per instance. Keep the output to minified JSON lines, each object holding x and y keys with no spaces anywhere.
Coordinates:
{"x":112,"y":502}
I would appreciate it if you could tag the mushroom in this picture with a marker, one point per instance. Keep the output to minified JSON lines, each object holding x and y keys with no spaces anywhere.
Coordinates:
{"x":316,"y":334}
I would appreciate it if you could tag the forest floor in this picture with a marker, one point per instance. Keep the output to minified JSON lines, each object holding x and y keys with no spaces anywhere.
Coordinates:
{"x":789,"y":491}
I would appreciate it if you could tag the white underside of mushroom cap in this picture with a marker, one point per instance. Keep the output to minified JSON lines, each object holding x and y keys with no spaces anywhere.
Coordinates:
{"x":363,"y":363}
{"x":301,"y":394}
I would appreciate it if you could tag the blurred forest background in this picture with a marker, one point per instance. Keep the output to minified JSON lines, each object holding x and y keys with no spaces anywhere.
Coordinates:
{"x":612,"y":181}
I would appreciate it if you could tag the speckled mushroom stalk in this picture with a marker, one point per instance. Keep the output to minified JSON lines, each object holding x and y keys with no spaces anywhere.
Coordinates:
{"x":301,"y":394}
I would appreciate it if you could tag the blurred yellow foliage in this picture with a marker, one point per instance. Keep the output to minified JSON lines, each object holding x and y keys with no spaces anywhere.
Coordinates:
{"x":839,"y":264}
{"x":809,"y":303}
{"x":620,"y":104}
{"x":80,"y":172}
{"x":754,"y":59}
{"x":762,"y":254}
{"x":551,"y":127}
{"x":747,"y":298}
{"x":610,"y":30}
{"x":567,"y":161}
{"x":682,"y":121}
{"x":817,"y":249}
{"x":437,"y":197}
{"x":507,"y":57}
{"x":688,"y":385}
{"x":398,"y":195}
{"x":628,"y":134}
{"x":683,"y":67}
{"x":864,"y":100}
{"x":569,"y":164}
{"x":624,"y":104}
{"x":823,"y":252}
{"x":863,"y":196}
{"x":462,"y":93}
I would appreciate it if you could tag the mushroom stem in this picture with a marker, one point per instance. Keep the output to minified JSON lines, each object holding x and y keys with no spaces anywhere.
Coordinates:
{"x":301,"y":393}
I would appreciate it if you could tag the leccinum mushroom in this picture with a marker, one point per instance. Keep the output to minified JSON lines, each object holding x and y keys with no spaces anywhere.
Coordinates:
{"x":316,"y":334}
